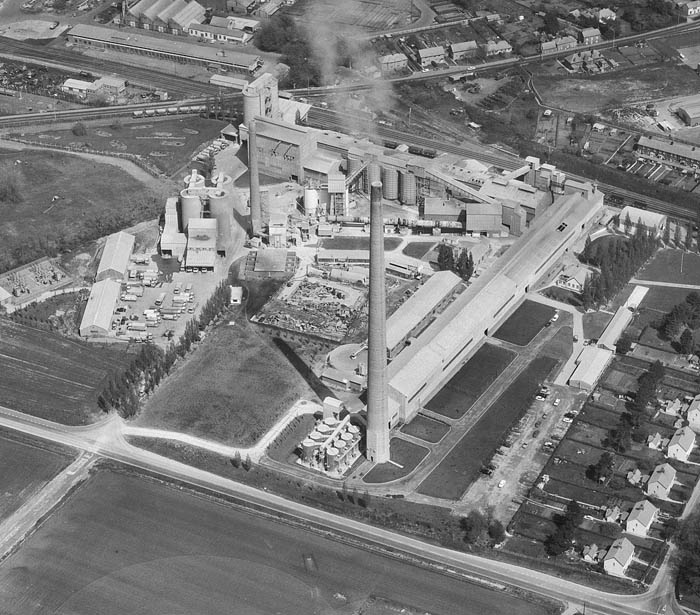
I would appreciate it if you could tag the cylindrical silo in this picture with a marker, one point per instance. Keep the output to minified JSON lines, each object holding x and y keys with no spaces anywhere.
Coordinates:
{"x":307,"y":449}
{"x":221,"y":208}
{"x":311,"y":202}
{"x":193,"y":180}
{"x":408,"y":188}
{"x":322,"y":428}
{"x":340,"y":445}
{"x":251,"y":105}
{"x":190,"y":206}
{"x":223,"y":181}
{"x":374,"y":173}
{"x":317,"y":436}
{"x":331,"y":421}
{"x":390,"y":181}
{"x":347,"y":436}
{"x":332,"y":459}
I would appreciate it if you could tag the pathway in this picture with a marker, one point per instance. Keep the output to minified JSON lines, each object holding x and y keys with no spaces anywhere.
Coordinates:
{"x":665,"y":284}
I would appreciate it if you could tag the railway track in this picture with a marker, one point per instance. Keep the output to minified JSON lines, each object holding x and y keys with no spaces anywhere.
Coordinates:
{"x":327,"y":119}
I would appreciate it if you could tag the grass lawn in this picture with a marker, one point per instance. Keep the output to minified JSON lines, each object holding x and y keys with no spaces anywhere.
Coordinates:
{"x":425,"y":428}
{"x":461,"y":466}
{"x":53,"y":377}
{"x":418,"y":249}
{"x":343,"y":242}
{"x":666,"y":267}
{"x":94,"y":199}
{"x":284,"y":446}
{"x":470,"y":382}
{"x":168,"y":144}
{"x":525,"y":323}
{"x":406,"y":454}
{"x":594,"y":324}
{"x":27,"y":466}
{"x":231,"y":389}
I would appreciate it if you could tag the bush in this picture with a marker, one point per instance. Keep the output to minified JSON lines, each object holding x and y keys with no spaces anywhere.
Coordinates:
{"x":79,"y":129}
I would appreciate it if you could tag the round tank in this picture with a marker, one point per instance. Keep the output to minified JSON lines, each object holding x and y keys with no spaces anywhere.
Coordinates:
{"x":353,"y":429}
{"x":341,"y":445}
{"x":323,"y":429}
{"x":251,"y":105}
{"x":374,"y":173}
{"x":223,"y":182}
{"x":190,"y":206}
{"x":311,"y":202}
{"x":331,"y":421}
{"x":390,"y":182}
{"x":308,"y":446}
{"x":347,"y":436}
{"x":221,"y":208}
{"x":317,"y":436}
{"x":354,"y":165}
{"x":332,"y":458}
{"x":193,"y":180}
{"x":408,"y":188}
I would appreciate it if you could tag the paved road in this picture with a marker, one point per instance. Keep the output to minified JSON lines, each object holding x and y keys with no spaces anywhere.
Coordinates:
{"x":105,"y":439}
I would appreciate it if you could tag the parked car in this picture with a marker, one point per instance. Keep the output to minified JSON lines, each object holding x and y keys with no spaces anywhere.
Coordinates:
{"x":501,"y":484}
{"x":557,"y":401}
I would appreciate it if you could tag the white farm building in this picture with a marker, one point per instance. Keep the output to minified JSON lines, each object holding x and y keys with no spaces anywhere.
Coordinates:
{"x":97,"y":318}
{"x":115,"y":256}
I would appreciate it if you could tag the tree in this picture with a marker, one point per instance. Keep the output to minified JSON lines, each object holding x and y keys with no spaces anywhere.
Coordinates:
{"x":474,"y":526}
{"x":79,"y":129}
{"x":686,"y":343}
{"x":247,"y":463}
{"x":667,"y":231}
{"x":624,"y":344}
{"x":687,"y":559}
{"x":603,"y":470}
{"x":689,"y":237}
{"x":446,"y":258}
{"x":496,"y":531}
{"x":236,"y":461}
{"x":628,"y":224}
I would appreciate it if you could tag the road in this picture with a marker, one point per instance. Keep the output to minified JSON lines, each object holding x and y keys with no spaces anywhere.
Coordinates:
{"x":105,"y":439}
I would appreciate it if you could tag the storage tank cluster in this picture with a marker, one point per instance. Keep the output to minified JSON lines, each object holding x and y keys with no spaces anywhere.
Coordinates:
{"x":332,"y":447}
{"x":398,"y":184}
{"x":197,"y":200}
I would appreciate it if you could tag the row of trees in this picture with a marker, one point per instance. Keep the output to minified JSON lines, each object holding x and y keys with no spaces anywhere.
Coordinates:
{"x":462,"y":265}
{"x":562,"y":538}
{"x":681,"y":320}
{"x":618,"y":260}
{"x":482,"y":530}
{"x":123,"y":390}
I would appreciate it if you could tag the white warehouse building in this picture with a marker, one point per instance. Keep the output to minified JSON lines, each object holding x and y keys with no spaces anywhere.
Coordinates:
{"x":115,"y":256}
{"x":97,"y":318}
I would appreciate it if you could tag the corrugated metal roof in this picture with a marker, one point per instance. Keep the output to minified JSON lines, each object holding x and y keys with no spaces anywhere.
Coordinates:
{"x":100,"y":306}
{"x":116,"y":254}
{"x":191,"y":12}
{"x":152,"y":11}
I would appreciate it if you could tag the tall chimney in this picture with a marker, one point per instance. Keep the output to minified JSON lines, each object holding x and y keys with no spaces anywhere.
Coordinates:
{"x":254,"y":179}
{"x":377,"y":406}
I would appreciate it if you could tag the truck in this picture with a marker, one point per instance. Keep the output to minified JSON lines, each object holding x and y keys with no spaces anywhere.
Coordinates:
{"x":170,"y":316}
{"x":188,"y":288}
{"x":178,"y":288}
{"x":170,"y":310}
{"x":160,"y":299}
{"x":136,"y":326}
{"x":180,"y":300}
{"x":135,"y":289}
{"x":128,"y":297}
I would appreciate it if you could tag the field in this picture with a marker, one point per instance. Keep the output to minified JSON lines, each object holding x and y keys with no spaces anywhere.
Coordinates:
{"x":470,"y":382}
{"x":94,"y":199}
{"x":461,"y":466}
{"x":27,"y":466}
{"x":673,"y":266}
{"x":594,"y":324}
{"x":525,"y":323}
{"x":49,"y":376}
{"x":365,"y":14}
{"x":406,"y":454}
{"x":357,"y":243}
{"x":122,"y":544}
{"x":418,"y":249}
{"x":426,"y":428}
{"x":231,"y":389}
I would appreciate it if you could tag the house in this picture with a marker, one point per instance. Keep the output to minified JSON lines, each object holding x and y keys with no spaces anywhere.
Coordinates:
{"x":634,"y":477}
{"x":211,"y":33}
{"x":661,"y":481}
{"x":643,"y":514}
{"x":618,"y":557}
{"x":657,"y":441}
{"x":431,"y":55}
{"x":465,"y":49}
{"x":592,"y":553}
{"x":681,"y":444}
{"x":693,"y":415}
{"x":572,"y":278}
{"x":548,"y":47}
{"x":393,"y":62}
{"x":78,"y":87}
{"x":565,"y":43}
{"x":494,"y":48}
{"x":689,"y":9}
{"x":672,"y":407}
{"x":112,"y":86}
{"x":589,"y":36}
{"x":606,"y":15}
{"x":612,"y":514}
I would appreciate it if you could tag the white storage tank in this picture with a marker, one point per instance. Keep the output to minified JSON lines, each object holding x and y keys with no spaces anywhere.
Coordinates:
{"x":190,"y":206}
{"x":317,"y":436}
{"x":331,"y":421}
{"x":311,"y":202}
{"x":323,"y":429}
{"x":332,"y":459}
{"x":390,"y":183}
{"x":354,"y":430}
{"x":408,"y":189}
{"x":223,"y":182}
{"x":221,"y":208}
{"x":193,"y":180}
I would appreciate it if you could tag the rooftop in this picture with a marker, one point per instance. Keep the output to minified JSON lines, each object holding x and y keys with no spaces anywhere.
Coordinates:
{"x":100,"y":305}
{"x":116,"y":253}
{"x":664,"y":474}
{"x":643,"y":512}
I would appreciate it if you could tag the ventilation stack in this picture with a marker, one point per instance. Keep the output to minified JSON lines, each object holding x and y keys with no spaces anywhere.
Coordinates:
{"x":377,"y":403}
{"x":254,"y":179}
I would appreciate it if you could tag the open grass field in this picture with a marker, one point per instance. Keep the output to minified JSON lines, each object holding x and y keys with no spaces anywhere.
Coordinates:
{"x":357,"y":243}
{"x":426,"y":428}
{"x":167,"y":144}
{"x":452,"y":477}
{"x":525,"y":323}
{"x":406,"y":454}
{"x":52,"y":377}
{"x":231,"y":389}
{"x":122,"y":544}
{"x":418,"y":249}
{"x":673,"y":266}
{"x":470,"y":382}
{"x":26,"y":468}
{"x":94,"y":199}
{"x":594,"y":324}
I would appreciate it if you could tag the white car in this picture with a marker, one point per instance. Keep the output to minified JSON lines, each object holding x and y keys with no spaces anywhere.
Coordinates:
{"x":566,"y":419}
{"x":557,"y":401}
{"x":501,"y":484}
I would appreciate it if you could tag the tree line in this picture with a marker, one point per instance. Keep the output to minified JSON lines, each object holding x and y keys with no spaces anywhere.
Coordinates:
{"x":462,"y":265}
{"x":680,"y":322}
{"x":123,"y":390}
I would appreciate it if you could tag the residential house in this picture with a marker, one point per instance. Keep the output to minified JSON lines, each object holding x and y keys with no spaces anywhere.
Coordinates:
{"x":693,"y":415}
{"x":618,"y":557}
{"x":572,"y":278}
{"x":606,"y":15}
{"x":589,"y":36}
{"x":592,"y":553}
{"x":681,"y":444}
{"x":641,"y":518}
{"x":393,"y":62}
{"x":494,"y":48}
{"x":688,"y":8}
{"x":634,"y":477}
{"x":612,"y":514}
{"x":548,"y":47}
{"x":661,"y":481}
{"x":431,"y":55}
{"x":465,"y":49}
{"x":565,"y":43}
{"x":672,"y":407}
{"x":657,"y":441}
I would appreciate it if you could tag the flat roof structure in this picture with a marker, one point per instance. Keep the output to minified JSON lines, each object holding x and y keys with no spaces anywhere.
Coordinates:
{"x":591,"y":364}
{"x":97,"y":318}
{"x":412,"y":312}
{"x":636,"y":297}
{"x":165,"y":48}
{"x":201,"y":242}
{"x":423,"y":367}
{"x":172,"y":241}
{"x":115,"y":256}
{"x":616,"y":326}
{"x":650,"y":219}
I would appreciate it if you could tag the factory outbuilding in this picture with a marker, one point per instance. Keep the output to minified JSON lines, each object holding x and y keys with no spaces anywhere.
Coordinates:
{"x":689,"y":111}
{"x":590,"y":365}
{"x":201,"y":243}
{"x":632,"y":217}
{"x":115,"y":256}
{"x":97,"y":318}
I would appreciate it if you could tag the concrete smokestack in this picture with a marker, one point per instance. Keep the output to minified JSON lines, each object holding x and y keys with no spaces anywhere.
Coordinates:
{"x":254,"y":179}
{"x":377,"y":405}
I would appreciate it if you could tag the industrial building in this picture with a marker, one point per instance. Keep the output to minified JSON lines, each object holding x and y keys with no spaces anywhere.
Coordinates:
{"x":97,"y":37}
{"x":201,"y":243}
{"x":165,"y":16}
{"x":334,"y":444}
{"x":590,"y":366}
{"x":116,"y":253}
{"x":217,"y":34}
{"x":633,"y":217}
{"x":97,"y":318}
{"x":422,"y":368}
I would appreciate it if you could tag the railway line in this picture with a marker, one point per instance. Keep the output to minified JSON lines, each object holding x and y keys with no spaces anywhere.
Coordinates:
{"x":328,"y":119}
